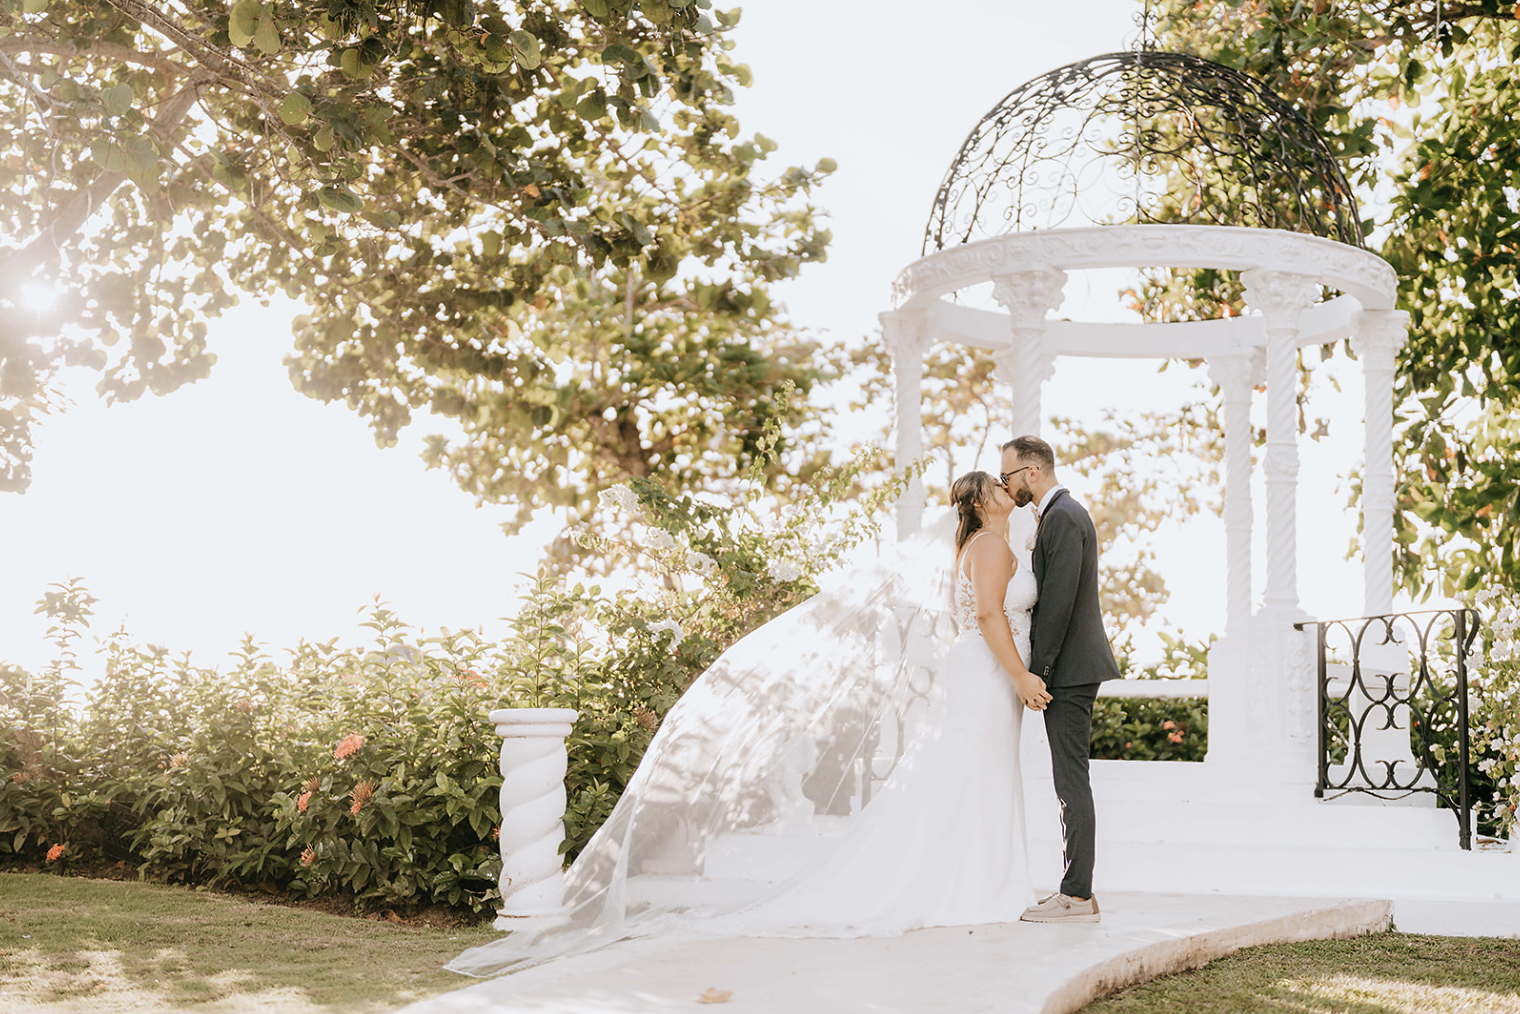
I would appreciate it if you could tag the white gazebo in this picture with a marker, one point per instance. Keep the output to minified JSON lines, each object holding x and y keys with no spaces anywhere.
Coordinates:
{"x":1161,"y":161}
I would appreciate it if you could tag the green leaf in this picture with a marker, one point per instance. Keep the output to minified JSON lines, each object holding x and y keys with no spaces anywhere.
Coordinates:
{"x":525,"y":49}
{"x":33,"y":6}
{"x":267,"y":38}
{"x":119,"y":99}
{"x":243,"y":21}
{"x":596,"y":8}
{"x":826,"y":165}
{"x":340,"y":199}
{"x":106,"y":155}
{"x":323,"y":139}
{"x":295,"y":108}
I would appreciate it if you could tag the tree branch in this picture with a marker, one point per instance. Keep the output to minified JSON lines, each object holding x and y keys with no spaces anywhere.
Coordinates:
{"x":104,"y":50}
{"x":45,"y":245}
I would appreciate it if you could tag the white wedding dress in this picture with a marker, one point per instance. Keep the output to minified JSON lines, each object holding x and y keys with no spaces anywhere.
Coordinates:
{"x":868,"y":737}
{"x":942,"y":843}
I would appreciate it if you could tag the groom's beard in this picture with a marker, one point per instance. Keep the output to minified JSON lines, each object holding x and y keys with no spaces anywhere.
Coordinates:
{"x":1022,"y":497}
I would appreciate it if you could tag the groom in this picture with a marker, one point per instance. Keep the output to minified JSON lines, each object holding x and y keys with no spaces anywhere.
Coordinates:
{"x":1070,"y":652}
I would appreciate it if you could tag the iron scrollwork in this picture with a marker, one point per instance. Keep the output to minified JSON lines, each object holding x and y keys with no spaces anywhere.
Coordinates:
{"x":1142,"y":137}
{"x":1393,"y":707}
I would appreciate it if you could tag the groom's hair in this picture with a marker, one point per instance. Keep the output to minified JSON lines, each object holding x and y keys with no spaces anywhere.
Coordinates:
{"x":1033,"y":449}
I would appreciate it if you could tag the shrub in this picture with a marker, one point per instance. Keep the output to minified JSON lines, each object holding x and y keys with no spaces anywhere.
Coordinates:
{"x":1155,"y":728}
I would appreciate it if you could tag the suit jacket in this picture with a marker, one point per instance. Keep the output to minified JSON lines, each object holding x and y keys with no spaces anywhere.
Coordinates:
{"x":1068,"y":645}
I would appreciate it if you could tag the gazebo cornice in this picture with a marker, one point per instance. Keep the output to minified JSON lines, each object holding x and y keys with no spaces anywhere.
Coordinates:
{"x":1348,"y":269}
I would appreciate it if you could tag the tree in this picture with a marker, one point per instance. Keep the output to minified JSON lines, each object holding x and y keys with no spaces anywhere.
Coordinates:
{"x":532,"y":216}
{"x":1418,"y":100}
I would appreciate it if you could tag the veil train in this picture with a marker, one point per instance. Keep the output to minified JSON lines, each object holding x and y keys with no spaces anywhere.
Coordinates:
{"x":764,"y":762}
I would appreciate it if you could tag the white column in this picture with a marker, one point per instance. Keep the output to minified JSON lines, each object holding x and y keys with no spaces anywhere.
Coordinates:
{"x":1282,"y":685}
{"x":533,"y":763}
{"x":1237,"y":375}
{"x":1378,"y":336}
{"x":1234,"y":696}
{"x":906,"y":335}
{"x":1027,"y":363}
{"x":1281,"y":297}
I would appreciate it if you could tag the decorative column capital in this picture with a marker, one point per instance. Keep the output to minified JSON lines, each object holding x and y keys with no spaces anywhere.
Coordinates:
{"x":1235,"y":371}
{"x":905,"y":333}
{"x":1280,"y":296}
{"x":1379,"y":333}
{"x":1029,"y":295}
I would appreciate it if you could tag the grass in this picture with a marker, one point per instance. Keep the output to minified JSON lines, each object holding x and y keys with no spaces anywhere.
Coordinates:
{"x":95,"y":947}
{"x":1385,"y":973}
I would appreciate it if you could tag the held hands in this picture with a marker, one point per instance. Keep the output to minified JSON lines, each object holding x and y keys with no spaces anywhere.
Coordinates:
{"x":1031,"y":690}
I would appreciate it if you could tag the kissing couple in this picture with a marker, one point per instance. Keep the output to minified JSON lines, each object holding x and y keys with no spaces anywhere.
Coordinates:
{"x":852,"y":767}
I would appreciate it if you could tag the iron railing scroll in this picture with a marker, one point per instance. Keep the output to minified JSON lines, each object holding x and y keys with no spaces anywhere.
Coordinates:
{"x":1393,"y":707}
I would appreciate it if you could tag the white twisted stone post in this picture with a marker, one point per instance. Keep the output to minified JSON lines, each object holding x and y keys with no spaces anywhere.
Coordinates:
{"x":1281,"y":297}
{"x":1283,"y":681}
{"x":1027,"y":296}
{"x":533,"y":763}
{"x":1377,"y":339}
{"x":906,"y":336}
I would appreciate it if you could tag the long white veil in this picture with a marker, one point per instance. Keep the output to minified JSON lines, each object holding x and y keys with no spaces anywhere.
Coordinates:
{"x":765,"y":760}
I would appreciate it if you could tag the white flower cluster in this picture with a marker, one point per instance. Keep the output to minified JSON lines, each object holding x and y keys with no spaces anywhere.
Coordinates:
{"x":618,"y":498}
{"x":659,"y":627}
{"x":784,"y":571}
{"x":703,"y":564}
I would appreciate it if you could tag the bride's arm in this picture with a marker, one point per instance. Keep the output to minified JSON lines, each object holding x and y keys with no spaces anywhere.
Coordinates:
{"x":990,"y":568}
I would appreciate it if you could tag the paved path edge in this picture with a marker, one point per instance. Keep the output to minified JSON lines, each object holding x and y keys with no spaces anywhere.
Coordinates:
{"x":1166,"y":956}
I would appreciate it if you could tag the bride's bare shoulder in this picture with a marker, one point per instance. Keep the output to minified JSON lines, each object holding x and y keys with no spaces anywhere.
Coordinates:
{"x":991,"y":548}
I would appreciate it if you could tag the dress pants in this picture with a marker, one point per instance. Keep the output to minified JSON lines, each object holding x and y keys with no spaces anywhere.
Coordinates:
{"x":1068,"y":725}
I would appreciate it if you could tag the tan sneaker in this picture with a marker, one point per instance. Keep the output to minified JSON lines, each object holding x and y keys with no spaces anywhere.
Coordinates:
{"x":1060,"y":908}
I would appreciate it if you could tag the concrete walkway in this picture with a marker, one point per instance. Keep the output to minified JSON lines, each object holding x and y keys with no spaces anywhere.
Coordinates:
{"x":1010,"y":969}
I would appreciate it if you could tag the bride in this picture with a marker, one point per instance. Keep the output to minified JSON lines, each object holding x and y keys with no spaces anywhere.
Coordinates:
{"x":849,"y":769}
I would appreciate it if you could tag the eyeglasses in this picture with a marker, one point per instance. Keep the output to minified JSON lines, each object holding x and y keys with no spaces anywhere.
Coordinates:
{"x":1005,"y":476}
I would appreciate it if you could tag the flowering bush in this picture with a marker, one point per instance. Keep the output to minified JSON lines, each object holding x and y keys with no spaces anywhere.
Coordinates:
{"x":372,"y":772}
{"x":1495,"y":707}
{"x":1155,"y":728}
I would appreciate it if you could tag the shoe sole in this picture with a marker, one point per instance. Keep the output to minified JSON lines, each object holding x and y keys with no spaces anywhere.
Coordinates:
{"x":1062,"y":918}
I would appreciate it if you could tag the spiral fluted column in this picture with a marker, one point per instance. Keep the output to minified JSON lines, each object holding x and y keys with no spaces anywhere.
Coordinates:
{"x":533,"y":763}
{"x":1377,"y":339}
{"x":1281,"y":297}
{"x":906,"y":336}
{"x":1025,"y":366}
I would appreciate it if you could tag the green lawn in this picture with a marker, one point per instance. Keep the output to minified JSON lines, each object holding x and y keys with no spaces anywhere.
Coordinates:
{"x":68,"y":944}
{"x":1385,"y":973}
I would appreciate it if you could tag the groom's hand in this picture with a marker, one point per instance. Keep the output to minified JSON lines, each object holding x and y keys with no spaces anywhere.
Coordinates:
{"x":1031,"y":690}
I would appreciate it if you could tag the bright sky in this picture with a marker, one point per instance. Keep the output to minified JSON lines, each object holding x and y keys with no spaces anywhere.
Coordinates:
{"x":238,"y":505}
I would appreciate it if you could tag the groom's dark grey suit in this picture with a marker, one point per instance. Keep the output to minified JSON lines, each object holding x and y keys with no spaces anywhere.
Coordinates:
{"x":1069,"y":650}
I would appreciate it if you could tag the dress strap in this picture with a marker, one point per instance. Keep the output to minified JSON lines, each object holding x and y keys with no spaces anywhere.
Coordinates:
{"x":978,"y":535}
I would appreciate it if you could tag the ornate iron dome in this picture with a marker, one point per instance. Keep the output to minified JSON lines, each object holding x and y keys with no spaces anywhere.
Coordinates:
{"x":1142,"y":137}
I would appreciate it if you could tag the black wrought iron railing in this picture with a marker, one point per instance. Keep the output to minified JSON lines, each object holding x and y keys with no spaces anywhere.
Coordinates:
{"x":1393,"y":707}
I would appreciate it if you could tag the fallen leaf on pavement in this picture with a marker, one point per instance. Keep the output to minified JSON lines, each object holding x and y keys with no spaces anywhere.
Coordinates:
{"x":714,"y":996}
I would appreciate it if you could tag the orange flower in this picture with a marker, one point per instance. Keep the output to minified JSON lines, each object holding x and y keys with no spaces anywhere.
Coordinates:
{"x":54,"y":853}
{"x":178,"y":759}
{"x":308,"y":856}
{"x":1168,"y":724}
{"x":362,"y":794}
{"x":302,"y":801}
{"x":348,"y":747}
{"x":1175,"y":737}
{"x":496,"y":834}
{"x":20,"y":777}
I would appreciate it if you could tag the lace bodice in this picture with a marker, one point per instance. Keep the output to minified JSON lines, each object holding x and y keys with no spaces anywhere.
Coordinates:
{"x":1018,"y":600}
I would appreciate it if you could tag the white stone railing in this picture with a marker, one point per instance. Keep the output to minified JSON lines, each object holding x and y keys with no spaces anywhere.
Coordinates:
{"x":533,"y":763}
{"x":1154,"y":689}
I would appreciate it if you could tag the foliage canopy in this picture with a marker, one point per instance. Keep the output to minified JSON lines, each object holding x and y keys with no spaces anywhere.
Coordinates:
{"x":535,"y":217}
